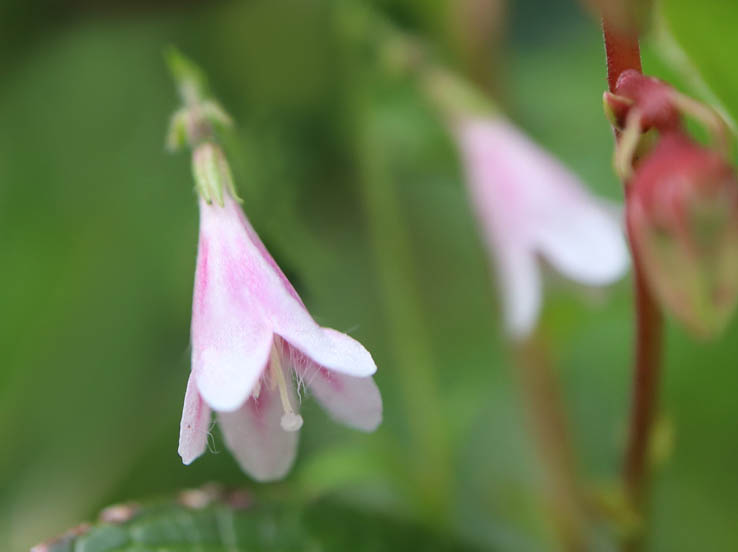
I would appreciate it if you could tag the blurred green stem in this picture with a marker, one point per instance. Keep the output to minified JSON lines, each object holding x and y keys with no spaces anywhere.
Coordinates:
{"x":542,"y":399}
{"x":623,"y":53}
{"x":405,"y":320}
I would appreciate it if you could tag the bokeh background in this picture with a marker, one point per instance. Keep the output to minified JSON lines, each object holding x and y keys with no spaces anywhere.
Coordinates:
{"x":352,"y":182}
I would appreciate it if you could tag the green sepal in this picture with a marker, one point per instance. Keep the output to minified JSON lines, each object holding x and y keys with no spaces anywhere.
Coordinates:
{"x":190,"y":79}
{"x":212,"y":174}
{"x":177,"y":134}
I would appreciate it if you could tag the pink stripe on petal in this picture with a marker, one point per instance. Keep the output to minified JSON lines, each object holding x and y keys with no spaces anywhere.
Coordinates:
{"x":231,"y":334}
{"x":256,"y":241}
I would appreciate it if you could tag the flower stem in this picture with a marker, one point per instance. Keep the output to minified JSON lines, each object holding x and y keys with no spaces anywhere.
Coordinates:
{"x":623,"y":53}
{"x":542,"y":399}
{"x":622,"y":50}
{"x":407,"y":329}
{"x":644,"y":400}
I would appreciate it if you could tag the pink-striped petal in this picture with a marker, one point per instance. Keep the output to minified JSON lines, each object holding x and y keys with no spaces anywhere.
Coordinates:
{"x":231,"y":333}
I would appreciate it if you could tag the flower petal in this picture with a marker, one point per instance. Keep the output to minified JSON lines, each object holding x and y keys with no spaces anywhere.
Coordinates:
{"x":255,"y":437}
{"x":520,"y":284}
{"x":285,"y":311}
{"x":324,"y":346}
{"x":231,"y":335}
{"x":584,"y":241}
{"x":353,"y":401}
{"x":527,"y":203}
{"x":193,"y":429}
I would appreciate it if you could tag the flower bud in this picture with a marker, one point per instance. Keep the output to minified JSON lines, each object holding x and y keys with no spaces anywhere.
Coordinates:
{"x":682,"y":212}
{"x":653,"y":99}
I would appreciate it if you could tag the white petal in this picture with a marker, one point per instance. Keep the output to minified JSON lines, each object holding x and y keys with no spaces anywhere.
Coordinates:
{"x":353,"y":401}
{"x":227,"y":372}
{"x":324,"y":346}
{"x":584,"y":240}
{"x":254,"y":435}
{"x":520,"y":284}
{"x":193,"y":429}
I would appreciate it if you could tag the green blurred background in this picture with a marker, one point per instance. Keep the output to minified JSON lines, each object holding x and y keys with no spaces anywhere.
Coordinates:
{"x":355,"y":187}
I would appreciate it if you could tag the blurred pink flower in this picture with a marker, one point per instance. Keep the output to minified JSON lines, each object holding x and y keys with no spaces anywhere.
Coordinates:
{"x":251,"y":334}
{"x":528,"y":205}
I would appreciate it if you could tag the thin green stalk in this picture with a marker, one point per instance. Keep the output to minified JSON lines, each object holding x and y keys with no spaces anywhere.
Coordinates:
{"x":541,"y":397}
{"x":405,"y":318}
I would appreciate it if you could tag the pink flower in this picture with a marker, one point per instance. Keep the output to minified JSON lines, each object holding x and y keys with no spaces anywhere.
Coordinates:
{"x":253,"y":345}
{"x":528,"y":206}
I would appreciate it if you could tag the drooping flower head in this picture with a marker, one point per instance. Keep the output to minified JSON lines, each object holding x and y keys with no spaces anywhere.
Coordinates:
{"x":255,"y":347}
{"x":253,"y":342}
{"x":530,"y":206}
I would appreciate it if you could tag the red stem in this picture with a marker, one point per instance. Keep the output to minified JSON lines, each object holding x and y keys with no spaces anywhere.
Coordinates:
{"x":646,"y":375}
{"x":622,"y":50}
{"x":623,"y":53}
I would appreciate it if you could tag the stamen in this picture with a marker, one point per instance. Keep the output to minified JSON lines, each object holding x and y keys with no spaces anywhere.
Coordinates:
{"x":627,"y":146}
{"x":291,"y":421}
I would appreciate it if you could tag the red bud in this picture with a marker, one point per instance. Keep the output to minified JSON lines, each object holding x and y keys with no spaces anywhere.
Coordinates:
{"x":682,"y":211}
{"x":652,"y":98}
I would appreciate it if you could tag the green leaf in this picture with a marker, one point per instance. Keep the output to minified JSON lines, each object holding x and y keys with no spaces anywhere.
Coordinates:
{"x":704,"y":32}
{"x":212,"y":521}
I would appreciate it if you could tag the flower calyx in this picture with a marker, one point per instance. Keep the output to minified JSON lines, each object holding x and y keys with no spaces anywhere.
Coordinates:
{"x":212,"y":173}
{"x":642,"y":108}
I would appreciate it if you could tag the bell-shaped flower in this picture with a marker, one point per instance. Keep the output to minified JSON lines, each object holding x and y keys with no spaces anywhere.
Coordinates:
{"x":255,"y":347}
{"x":530,"y":206}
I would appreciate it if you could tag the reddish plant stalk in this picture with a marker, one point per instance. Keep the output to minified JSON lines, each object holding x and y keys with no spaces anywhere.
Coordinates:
{"x":622,"y":50}
{"x":646,"y":377}
{"x":623,"y":53}
{"x":542,"y":399}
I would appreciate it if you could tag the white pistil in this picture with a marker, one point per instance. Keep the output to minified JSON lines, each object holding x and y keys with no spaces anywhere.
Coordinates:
{"x":291,"y":421}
